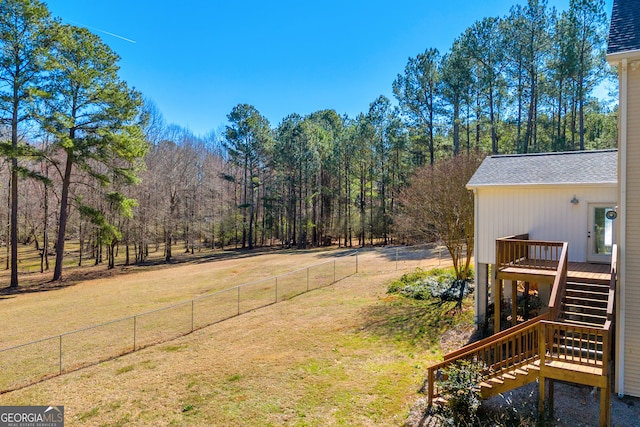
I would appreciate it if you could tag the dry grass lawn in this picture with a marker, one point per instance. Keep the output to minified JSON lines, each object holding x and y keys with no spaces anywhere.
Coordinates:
{"x":343,"y":355}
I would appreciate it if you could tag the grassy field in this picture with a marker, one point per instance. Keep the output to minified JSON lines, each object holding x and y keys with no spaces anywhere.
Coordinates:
{"x":343,"y":355}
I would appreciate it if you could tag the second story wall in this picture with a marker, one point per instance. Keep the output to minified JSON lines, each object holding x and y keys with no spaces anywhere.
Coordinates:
{"x":545,"y":212}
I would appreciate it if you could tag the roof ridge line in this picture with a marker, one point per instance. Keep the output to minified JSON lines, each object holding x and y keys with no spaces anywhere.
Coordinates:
{"x":554,"y":153}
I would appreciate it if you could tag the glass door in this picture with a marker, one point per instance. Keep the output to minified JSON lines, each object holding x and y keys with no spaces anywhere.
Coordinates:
{"x":601,"y":233}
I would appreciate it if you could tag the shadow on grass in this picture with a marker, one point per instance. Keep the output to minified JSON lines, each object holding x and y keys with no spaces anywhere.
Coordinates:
{"x":41,"y":282}
{"x":411,"y":321}
{"x":405,"y":253}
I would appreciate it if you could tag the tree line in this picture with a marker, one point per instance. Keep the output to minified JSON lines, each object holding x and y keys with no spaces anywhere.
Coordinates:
{"x":88,"y":159}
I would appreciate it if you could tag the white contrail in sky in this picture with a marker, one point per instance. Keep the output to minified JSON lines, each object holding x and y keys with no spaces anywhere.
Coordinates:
{"x":105,"y":32}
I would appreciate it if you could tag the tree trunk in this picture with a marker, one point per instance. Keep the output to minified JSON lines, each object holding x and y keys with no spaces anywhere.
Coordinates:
{"x":14,"y":192}
{"x":81,"y":238}
{"x":456,"y":125}
{"x":8,"y":263}
{"x":64,"y":212}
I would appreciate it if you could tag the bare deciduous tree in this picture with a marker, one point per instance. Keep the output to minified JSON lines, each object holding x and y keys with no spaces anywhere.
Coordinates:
{"x":438,"y":204}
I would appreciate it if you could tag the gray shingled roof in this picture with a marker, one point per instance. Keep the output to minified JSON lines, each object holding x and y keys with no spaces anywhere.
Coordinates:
{"x":624,"y":32}
{"x":574,"y":167}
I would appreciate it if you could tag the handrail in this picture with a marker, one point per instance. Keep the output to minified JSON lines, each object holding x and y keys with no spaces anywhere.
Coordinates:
{"x":470,"y":347}
{"x":514,"y":348}
{"x":559,"y":284}
{"x":613,"y":282}
{"x":524,"y":253}
{"x":524,"y":236}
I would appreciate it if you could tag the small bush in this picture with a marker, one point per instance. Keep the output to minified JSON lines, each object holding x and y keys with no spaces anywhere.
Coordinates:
{"x":436,"y":283}
{"x":462,"y":393}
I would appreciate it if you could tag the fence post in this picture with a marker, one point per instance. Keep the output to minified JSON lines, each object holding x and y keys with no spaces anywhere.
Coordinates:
{"x":396,"y":259}
{"x":192,"y":307}
{"x":356,"y":262}
{"x":276,"y":288}
{"x":307,"y":279}
{"x":238,"y":300}
{"x":60,"y":354}
{"x":135,"y":321}
{"x":334,"y":271}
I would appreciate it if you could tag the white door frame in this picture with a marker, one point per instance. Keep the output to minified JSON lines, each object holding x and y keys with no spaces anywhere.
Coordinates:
{"x":592,"y":255}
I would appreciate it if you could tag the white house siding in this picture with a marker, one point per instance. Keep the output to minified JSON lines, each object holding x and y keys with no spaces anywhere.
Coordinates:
{"x":543,"y":211}
{"x":632,"y":217}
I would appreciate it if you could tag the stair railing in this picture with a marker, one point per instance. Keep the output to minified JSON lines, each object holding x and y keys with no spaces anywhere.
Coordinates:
{"x":542,"y":338}
{"x":559,"y":284}
{"x":613,"y":282}
{"x":500,"y":353}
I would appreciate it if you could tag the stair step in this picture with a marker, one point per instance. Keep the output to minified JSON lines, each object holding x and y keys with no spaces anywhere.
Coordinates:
{"x":602,"y":302}
{"x":585,"y":324}
{"x":580,"y":309}
{"x":579,"y":336}
{"x":440,"y":401}
{"x":496,"y":381}
{"x":508,"y":376}
{"x":589,"y":285}
{"x":484,"y":384}
{"x":601,"y":317}
{"x":578,"y":351}
{"x":591,"y":313}
{"x":593,"y":293}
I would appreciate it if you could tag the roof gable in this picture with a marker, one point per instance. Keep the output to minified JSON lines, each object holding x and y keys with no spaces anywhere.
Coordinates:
{"x":573,"y":167}
{"x":624,"y":31}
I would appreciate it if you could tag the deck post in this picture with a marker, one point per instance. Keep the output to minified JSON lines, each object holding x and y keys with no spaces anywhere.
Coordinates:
{"x":514,"y":303}
{"x":482,"y":291}
{"x":497,"y":299}
{"x":605,"y":407}
{"x":542,"y":349}
{"x":552,"y":383}
{"x":541,"y":391}
{"x":525,"y":315}
{"x":430,"y":387}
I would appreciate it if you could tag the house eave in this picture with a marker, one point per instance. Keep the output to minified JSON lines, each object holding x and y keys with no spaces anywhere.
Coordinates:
{"x":545,"y":185}
{"x":615,"y":58}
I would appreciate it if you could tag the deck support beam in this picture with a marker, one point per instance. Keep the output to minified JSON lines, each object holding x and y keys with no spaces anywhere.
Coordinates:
{"x":605,"y":407}
{"x":514,"y":303}
{"x":497,"y":299}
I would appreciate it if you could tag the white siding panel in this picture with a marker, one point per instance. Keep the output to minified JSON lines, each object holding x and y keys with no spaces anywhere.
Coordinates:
{"x":544,"y":212}
{"x":632,"y":279}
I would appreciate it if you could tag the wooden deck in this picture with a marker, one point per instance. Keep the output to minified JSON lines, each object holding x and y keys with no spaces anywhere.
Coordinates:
{"x":576,"y":271}
{"x":589,"y":273}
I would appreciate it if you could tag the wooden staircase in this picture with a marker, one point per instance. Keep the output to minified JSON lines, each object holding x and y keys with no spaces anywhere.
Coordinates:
{"x":586,"y":304}
{"x":572,"y":342}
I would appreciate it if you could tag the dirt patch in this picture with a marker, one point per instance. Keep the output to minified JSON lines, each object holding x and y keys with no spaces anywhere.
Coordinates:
{"x":574,"y":406}
{"x":456,"y":338}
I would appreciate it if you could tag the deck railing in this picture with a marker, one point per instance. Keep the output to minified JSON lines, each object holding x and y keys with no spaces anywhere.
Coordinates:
{"x":577,"y":345}
{"x":519,"y":251}
{"x":492,"y":356}
{"x":519,"y":346}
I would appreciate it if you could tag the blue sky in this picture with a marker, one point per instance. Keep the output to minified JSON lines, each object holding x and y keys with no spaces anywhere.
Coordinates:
{"x":197,"y":59}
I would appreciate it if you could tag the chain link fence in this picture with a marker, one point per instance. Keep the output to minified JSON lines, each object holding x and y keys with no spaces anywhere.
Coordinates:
{"x":35,"y":361}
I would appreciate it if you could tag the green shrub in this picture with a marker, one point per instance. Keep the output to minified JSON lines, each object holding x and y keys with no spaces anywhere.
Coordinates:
{"x":462,"y":393}
{"x":436,"y":283}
